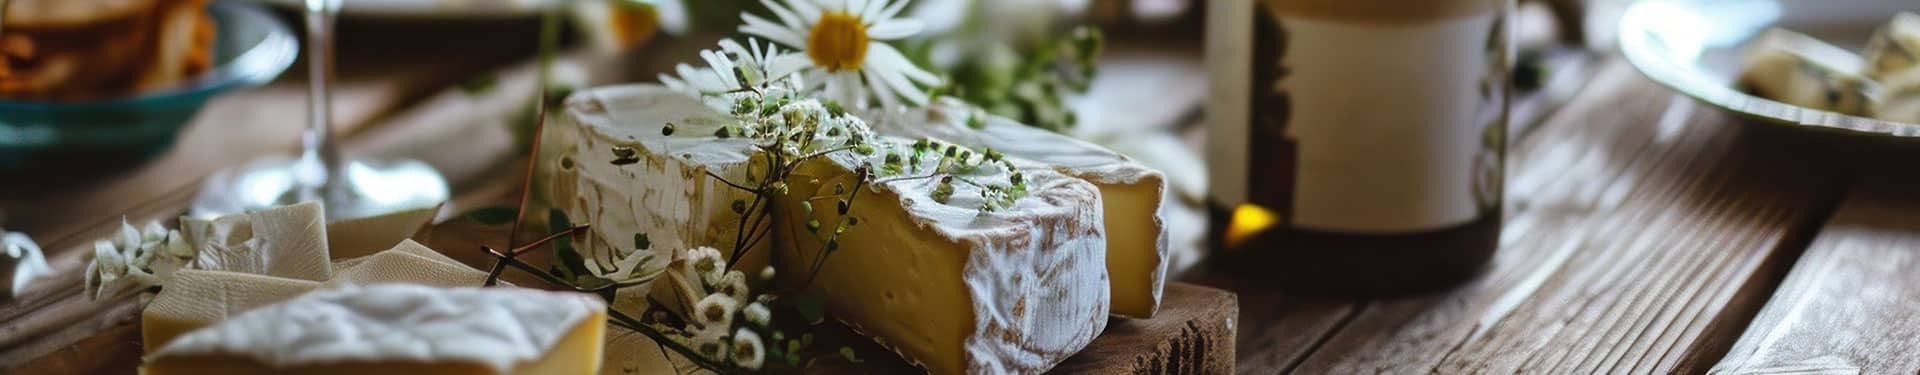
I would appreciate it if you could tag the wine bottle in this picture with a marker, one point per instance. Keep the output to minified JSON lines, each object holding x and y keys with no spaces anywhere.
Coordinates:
{"x":1356,"y":146}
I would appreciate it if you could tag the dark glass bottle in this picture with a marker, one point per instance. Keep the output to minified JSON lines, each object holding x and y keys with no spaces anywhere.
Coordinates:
{"x":1357,"y":146}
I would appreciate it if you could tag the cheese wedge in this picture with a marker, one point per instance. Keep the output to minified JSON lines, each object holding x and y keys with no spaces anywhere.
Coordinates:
{"x":951,"y":288}
{"x":198,"y":298}
{"x":624,"y":175}
{"x":1796,"y":69}
{"x":1900,"y":98}
{"x":409,"y":263}
{"x":400,"y":330}
{"x":360,"y":237}
{"x":287,"y":241}
{"x":1895,"y":48}
{"x":1137,"y":240}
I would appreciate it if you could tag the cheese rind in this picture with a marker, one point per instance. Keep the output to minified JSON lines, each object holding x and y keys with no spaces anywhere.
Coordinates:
{"x":399,"y":329}
{"x":409,"y":263}
{"x":666,"y":187}
{"x":287,"y":241}
{"x":198,"y":298}
{"x":1132,"y":193}
{"x":950,"y":287}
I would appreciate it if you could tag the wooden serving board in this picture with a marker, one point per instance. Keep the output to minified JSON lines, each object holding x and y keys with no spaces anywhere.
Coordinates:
{"x":1193,"y":333}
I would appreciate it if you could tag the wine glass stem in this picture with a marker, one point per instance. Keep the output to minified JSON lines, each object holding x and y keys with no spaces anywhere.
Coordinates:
{"x":319,"y":154}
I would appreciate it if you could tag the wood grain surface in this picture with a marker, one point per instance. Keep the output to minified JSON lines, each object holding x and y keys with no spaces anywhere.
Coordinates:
{"x":1851,"y":305}
{"x":1638,"y":225}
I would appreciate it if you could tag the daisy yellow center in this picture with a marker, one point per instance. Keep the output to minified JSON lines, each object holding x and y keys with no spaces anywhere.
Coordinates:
{"x":838,"y":41}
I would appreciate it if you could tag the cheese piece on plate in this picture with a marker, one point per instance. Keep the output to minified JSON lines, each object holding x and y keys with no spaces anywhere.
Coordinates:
{"x":950,"y":287}
{"x":287,"y":241}
{"x":1796,"y":69}
{"x":1137,"y":240}
{"x":1900,"y":98}
{"x":624,"y":175}
{"x":401,"y":330}
{"x":409,"y":263}
{"x":1895,"y":48}
{"x":198,"y":298}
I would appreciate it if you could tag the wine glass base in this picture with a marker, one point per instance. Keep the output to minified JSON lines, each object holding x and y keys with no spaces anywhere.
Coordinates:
{"x":365,"y":189}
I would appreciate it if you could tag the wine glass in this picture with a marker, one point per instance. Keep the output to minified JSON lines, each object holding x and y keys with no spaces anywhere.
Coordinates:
{"x":350,"y":188}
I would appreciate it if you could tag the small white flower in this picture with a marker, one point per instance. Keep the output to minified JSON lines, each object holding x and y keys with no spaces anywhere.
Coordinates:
{"x":32,"y":265}
{"x":757,"y":313}
{"x":133,"y":259}
{"x":843,"y":42}
{"x":748,"y":351}
{"x":716,"y":310}
{"x":706,"y":264}
{"x":719,"y":84}
{"x":734,"y":284}
{"x":712,"y":343}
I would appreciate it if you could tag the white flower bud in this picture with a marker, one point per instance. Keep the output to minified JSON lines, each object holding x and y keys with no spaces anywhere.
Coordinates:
{"x":758,"y":314}
{"x":766,"y":274}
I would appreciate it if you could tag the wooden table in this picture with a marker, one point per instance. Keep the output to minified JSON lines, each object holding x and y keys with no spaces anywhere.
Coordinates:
{"x":1645,"y":233}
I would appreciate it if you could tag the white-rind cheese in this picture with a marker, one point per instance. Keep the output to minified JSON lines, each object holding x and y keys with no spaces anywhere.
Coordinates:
{"x":662,"y":189}
{"x":287,"y":241}
{"x":480,"y":330}
{"x":1132,"y":193}
{"x":1895,"y":48}
{"x":950,"y":287}
{"x":1796,"y":69}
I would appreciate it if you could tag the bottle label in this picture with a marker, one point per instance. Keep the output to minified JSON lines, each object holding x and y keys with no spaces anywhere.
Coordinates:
{"x":1371,"y":125}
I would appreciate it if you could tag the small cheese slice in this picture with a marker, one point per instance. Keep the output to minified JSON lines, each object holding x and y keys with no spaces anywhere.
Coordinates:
{"x":1796,"y":69}
{"x":409,"y":263}
{"x":286,"y":241}
{"x":198,"y":298}
{"x":1900,"y":98}
{"x":625,"y":176}
{"x":951,"y":288}
{"x":1132,"y":193}
{"x":401,"y":330}
{"x":1895,"y":48}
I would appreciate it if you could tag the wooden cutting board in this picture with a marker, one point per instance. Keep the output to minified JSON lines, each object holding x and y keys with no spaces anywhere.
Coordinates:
{"x":1193,"y":333}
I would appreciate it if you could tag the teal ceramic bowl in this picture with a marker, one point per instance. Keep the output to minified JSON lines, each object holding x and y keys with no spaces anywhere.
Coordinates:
{"x":251,"y":48}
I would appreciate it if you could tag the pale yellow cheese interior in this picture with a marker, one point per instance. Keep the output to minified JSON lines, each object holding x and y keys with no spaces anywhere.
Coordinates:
{"x":1134,"y":258}
{"x":200,"y":298}
{"x":890,"y":277}
{"x":577,"y":353}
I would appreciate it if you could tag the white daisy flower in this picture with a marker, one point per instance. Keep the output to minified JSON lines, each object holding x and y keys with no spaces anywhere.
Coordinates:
{"x":842,"y":42}
{"x":748,"y":351}
{"x":706,"y":264}
{"x":720,"y":82}
{"x":716,"y":310}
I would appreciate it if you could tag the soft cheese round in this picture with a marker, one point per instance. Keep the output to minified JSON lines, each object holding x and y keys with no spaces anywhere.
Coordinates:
{"x":497,"y":327}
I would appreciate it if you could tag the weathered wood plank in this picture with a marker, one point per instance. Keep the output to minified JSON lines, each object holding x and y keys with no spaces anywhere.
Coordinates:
{"x":1851,"y":305}
{"x":1636,"y":219}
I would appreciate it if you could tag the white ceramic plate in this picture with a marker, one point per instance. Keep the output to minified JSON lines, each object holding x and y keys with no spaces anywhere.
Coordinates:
{"x":429,"y":8}
{"x":1695,"y":47}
